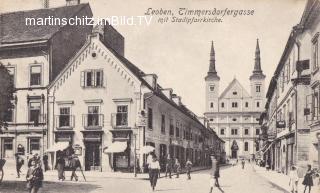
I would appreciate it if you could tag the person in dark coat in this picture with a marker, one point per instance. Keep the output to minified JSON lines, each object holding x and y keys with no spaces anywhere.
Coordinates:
{"x":214,"y":181}
{"x":45,"y":162}
{"x":35,"y":158}
{"x":60,"y":167}
{"x":168,"y":165}
{"x":74,"y":164}
{"x":188,"y":167}
{"x":307,"y":180}
{"x":19,"y":164}
{"x":34,"y":177}
{"x":243,"y":162}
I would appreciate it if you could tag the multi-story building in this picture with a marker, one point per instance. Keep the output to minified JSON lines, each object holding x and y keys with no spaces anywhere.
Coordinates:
{"x":35,"y":55}
{"x":291,"y":107}
{"x":114,"y":110}
{"x":308,"y":39}
{"x":234,"y":114}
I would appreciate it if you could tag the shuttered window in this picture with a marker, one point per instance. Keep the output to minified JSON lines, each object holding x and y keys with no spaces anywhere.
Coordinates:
{"x":91,"y":78}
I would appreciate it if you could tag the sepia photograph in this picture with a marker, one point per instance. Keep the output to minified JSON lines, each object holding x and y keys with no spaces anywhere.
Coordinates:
{"x":173,"y":96}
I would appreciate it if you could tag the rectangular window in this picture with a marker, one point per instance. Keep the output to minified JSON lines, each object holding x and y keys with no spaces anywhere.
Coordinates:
{"x":246,"y":104}
{"x":150,"y":118}
{"x":35,"y":75}
{"x":222,"y":131}
{"x":163,"y":124}
{"x":122,"y":115}
{"x":234,"y":131}
{"x":93,"y":116}
{"x":234,"y":104}
{"x":177,"y":130}
{"x":211,"y":105}
{"x":7,"y":147}
{"x":92,"y":78}
{"x":246,"y":146}
{"x":257,"y":131}
{"x":246,"y":131}
{"x":34,"y":144}
{"x":171,"y":132}
{"x":258,"y":104}
{"x":64,"y":118}
{"x":34,"y":112}
{"x":315,"y":53}
{"x":11,"y":71}
{"x":222,"y":105}
{"x":258,"y":88}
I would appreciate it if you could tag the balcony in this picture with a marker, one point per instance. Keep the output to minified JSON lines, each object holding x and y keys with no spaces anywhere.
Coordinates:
{"x":119,"y":121}
{"x":64,"y":122}
{"x":92,"y":121}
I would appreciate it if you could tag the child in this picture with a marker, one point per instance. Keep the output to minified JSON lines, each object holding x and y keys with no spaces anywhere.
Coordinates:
{"x":293,"y":183}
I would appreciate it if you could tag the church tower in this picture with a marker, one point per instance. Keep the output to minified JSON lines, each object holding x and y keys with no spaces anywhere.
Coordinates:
{"x":257,"y":82}
{"x":212,"y":84}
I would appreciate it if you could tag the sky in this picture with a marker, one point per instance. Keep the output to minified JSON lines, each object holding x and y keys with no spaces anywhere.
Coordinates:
{"x":179,"y":53}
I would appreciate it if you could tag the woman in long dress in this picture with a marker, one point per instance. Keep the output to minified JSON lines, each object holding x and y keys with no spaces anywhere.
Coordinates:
{"x":60,"y":167}
{"x":307,"y":181}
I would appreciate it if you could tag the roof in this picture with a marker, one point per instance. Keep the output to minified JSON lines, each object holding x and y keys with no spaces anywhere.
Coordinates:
{"x":13,"y":28}
{"x":231,"y":85}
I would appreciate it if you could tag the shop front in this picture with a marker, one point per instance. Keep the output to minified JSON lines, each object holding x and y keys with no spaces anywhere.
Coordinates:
{"x":92,"y":141}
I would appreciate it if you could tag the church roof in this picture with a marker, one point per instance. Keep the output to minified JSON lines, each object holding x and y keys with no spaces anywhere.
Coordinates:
{"x":234,"y":83}
{"x":212,"y":73}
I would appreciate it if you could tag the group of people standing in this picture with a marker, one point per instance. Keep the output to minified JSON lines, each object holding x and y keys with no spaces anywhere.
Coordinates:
{"x":154,"y":168}
{"x":307,"y":179}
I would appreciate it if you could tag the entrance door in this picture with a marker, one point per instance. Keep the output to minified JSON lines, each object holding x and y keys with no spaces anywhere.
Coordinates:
{"x":92,"y":156}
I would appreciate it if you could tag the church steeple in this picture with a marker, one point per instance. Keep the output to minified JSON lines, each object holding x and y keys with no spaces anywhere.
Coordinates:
{"x":212,"y":73}
{"x":257,"y":71}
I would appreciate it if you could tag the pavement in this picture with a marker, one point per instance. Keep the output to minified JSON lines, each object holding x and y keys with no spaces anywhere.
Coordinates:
{"x":233,"y":179}
{"x":282,"y":180}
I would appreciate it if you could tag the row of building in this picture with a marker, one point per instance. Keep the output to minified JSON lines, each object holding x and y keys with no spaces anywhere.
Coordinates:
{"x":290,"y":124}
{"x":75,"y":87}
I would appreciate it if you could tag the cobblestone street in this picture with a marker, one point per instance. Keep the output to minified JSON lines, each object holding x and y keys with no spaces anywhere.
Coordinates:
{"x":233,"y":179}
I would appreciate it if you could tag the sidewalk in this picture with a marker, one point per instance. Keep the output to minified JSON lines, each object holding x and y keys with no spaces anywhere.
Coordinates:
{"x":282,"y":180}
{"x":51,"y":175}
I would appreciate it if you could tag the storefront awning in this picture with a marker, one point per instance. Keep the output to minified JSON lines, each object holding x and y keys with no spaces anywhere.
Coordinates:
{"x":116,"y":147}
{"x":58,"y":146}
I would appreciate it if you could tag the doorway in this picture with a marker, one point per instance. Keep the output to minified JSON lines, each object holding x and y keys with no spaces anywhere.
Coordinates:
{"x":234,"y":154}
{"x":92,"y":156}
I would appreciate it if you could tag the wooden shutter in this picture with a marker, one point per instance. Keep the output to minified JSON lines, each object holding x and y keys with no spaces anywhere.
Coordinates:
{"x":93,"y":78}
{"x":82,"y":79}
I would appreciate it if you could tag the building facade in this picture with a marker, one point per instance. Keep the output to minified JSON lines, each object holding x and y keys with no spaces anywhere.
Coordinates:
{"x":234,"y":114}
{"x":34,"y":56}
{"x":292,"y":107}
{"x":114,"y":110}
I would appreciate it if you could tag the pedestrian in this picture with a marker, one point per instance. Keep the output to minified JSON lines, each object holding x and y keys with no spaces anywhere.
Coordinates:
{"x":214,"y":180}
{"x":243,"y":163}
{"x":149,"y":160}
{"x":307,"y":181}
{"x":34,"y":177}
{"x":45,"y":162}
{"x":74,"y":164}
{"x":60,"y":167}
{"x":154,"y":168}
{"x":188,"y":167}
{"x":19,"y":164}
{"x":293,"y":183}
{"x":177,"y":167}
{"x":168,"y":165}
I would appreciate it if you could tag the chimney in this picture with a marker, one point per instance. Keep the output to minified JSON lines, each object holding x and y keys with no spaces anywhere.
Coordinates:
{"x":151,"y":79}
{"x":45,"y":4}
{"x":168,"y":92}
{"x":72,"y":2}
{"x":176,"y":99}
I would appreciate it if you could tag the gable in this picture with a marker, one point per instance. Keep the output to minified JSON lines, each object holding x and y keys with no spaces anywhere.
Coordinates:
{"x":234,"y":90}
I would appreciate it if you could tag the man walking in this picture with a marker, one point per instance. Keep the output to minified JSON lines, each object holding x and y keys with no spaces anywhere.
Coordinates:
{"x":188,"y":167}
{"x":177,"y":167}
{"x":154,"y":168}
{"x":19,"y":163}
{"x":214,"y":182}
{"x":168,"y":165}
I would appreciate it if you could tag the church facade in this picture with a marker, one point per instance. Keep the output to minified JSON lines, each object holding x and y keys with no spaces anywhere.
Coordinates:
{"x":234,"y":113}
